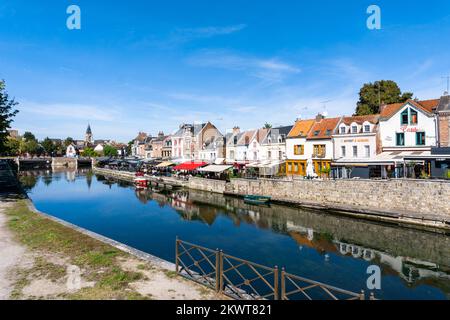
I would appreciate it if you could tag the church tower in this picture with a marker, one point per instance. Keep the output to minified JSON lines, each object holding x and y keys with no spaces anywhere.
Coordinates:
{"x":88,"y":137}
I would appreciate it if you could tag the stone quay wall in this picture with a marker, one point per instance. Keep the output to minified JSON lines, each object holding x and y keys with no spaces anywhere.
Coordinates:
{"x":424,"y":199}
{"x":217,"y":186}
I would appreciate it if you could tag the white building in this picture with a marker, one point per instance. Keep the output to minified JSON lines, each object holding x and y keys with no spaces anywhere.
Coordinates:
{"x":406,"y":129}
{"x":319,"y":146}
{"x":273,"y":145}
{"x":355,"y":146}
{"x":71,"y":151}
{"x":408,"y":126}
{"x":296,"y":156}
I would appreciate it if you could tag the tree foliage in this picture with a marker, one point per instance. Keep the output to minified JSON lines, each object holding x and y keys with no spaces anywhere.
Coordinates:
{"x":89,"y":152}
{"x":28,"y":136}
{"x":68,"y":141}
{"x":48,"y":146}
{"x":110,"y":151}
{"x":7,"y":113}
{"x":372,"y":95}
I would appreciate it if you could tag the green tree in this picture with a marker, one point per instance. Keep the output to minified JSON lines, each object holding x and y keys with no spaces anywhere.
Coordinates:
{"x":28,"y":136}
{"x":12,"y":146}
{"x":89,"y":152}
{"x":372,"y":95}
{"x":128,"y":149}
{"x":32,"y":147}
{"x":7,"y":113}
{"x":49,"y":146}
{"x":68,"y":141}
{"x":110,"y":151}
{"x":267,"y":125}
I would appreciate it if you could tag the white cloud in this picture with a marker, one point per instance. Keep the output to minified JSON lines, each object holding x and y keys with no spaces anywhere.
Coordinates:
{"x":271,"y":69}
{"x":188,"y":34}
{"x":71,"y":111}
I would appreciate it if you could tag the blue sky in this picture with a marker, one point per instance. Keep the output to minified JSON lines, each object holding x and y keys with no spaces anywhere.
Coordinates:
{"x":151,"y":65}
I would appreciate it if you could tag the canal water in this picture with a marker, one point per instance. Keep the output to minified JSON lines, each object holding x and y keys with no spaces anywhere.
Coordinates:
{"x":415,"y":264}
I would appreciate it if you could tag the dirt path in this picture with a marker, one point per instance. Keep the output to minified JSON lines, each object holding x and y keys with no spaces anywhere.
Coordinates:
{"x":11,"y":254}
{"x":41,"y":259}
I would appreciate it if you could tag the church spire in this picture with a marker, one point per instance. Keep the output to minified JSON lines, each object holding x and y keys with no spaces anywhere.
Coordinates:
{"x":88,"y":137}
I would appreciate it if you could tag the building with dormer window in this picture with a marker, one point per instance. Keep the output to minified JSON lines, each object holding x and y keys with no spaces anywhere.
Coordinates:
{"x":355,"y":145}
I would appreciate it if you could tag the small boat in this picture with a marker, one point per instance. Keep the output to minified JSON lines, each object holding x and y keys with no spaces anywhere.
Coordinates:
{"x":141,"y":183}
{"x":252,"y":199}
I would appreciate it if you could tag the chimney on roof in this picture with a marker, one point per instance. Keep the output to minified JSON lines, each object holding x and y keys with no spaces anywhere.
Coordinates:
{"x":382,"y":106}
{"x":236,"y":130}
{"x":320,"y":117}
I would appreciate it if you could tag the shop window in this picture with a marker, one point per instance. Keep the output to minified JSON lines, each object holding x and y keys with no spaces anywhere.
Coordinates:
{"x":404,"y":117}
{"x":413,"y":117}
{"x":400,"y":139}
{"x":420,"y":138}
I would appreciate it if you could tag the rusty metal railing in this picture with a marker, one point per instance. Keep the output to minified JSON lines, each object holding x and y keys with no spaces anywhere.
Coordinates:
{"x":245,"y":280}
{"x":197,"y":263}
{"x":303,"y":288}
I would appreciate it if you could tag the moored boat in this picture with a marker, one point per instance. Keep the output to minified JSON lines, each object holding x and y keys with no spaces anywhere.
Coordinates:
{"x":141,"y":183}
{"x":253,"y":199}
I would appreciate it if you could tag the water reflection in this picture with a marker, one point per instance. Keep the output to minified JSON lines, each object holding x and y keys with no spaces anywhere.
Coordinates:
{"x":334,"y":249}
{"x":326,"y":234}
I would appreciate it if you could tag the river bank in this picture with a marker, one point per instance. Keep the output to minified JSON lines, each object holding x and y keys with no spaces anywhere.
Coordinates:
{"x":42,"y":257}
{"x":408,"y":202}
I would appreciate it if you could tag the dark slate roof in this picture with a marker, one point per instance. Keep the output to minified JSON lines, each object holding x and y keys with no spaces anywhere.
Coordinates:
{"x":444,"y":104}
{"x":88,"y":130}
{"x":274,"y":133}
{"x":194,"y":128}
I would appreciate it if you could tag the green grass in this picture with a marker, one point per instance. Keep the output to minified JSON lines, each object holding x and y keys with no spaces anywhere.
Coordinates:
{"x":98,"y":261}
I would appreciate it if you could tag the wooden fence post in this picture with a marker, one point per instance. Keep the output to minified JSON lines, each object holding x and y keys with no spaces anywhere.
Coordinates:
{"x":275,"y":285}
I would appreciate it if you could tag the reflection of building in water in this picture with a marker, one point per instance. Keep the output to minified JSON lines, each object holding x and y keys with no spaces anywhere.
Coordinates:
{"x":409,"y":269}
{"x":71,"y":175}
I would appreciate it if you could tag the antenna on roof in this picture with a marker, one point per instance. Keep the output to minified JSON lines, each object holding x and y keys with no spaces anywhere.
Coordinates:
{"x":448,"y":82}
{"x":325,"y":112}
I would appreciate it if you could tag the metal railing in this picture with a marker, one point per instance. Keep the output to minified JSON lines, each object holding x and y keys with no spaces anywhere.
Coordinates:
{"x":245,"y":280}
{"x":303,"y":288}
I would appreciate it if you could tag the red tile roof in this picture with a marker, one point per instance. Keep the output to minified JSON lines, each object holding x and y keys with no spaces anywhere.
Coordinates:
{"x":301,"y":128}
{"x":424,"y":105}
{"x":323,"y":129}
{"x":373,"y":118}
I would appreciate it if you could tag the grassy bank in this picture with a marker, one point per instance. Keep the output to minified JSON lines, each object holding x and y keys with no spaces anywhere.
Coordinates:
{"x":105,"y":272}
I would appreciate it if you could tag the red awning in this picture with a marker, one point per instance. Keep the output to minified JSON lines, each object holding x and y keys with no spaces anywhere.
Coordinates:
{"x":190,"y":166}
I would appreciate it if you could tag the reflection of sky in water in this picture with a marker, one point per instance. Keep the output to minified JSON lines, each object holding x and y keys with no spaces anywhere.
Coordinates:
{"x":114,"y":211}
